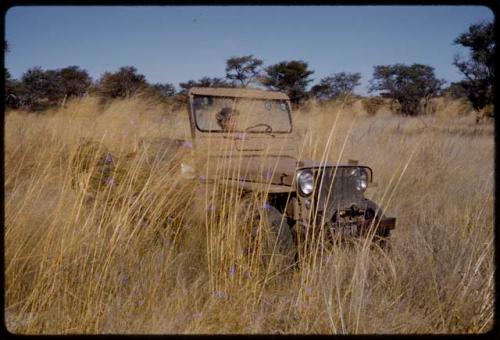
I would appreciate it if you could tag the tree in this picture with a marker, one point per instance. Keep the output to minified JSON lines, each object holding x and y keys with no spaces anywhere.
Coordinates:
{"x":40,"y":88}
{"x":243,"y":69}
{"x":38,"y":85}
{"x":479,"y":68}
{"x":290,"y":77}
{"x":124,"y":83}
{"x":74,"y":81}
{"x":8,"y":77}
{"x":164,"y":90}
{"x":455,"y":90}
{"x":339,"y":85}
{"x":8,"y":81}
{"x":11,"y":98}
{"x":407,"y":84}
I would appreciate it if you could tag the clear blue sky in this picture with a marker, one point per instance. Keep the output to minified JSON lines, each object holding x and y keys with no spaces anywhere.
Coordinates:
{"x":175,"y":44}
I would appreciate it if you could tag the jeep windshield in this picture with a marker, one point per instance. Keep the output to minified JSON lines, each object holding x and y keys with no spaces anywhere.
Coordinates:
{"x":252,"y":115}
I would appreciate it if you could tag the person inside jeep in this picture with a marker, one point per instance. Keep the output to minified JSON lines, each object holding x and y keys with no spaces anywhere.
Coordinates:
{"x":226,"y":118}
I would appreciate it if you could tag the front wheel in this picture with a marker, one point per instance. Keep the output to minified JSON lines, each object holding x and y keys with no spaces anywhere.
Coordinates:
{"x":267,"y":237}
{"x":382,"y":234}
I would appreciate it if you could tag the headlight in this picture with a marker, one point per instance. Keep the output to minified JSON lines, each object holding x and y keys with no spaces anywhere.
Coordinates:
{"x":306,"y":182}
{"x":361,"y":178}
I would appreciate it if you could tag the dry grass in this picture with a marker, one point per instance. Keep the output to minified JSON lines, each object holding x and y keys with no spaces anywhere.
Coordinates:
{"x":139,"y":258}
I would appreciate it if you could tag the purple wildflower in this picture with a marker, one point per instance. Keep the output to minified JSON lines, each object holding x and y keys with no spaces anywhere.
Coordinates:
{"x":123,"y":278}
{"x":108,"y":159}
{"x":219,"y":294}
{"x":266,"y":206}
{"x":268,"y":174}
{"x":203,"y":178}
{"x":211,"y":207}
{"x":110,"y":181}
{"x":308,"y":290}
{"x":187,"y":144}
{"x":232,"y":271}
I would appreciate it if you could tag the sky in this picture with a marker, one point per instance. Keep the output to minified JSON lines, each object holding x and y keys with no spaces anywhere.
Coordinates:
{"x":172,"y":44}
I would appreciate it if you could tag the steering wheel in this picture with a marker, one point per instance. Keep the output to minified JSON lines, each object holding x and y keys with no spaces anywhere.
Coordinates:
{"x":268,"y":127}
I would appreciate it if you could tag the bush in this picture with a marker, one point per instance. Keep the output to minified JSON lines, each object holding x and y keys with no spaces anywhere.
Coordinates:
{"x":124,"y":83}
{"x":456,"y":90}
{"x":407,"y":84}
{"x":74,"y":81}
{"x":39,"y":89}
{"x":372,"y":105}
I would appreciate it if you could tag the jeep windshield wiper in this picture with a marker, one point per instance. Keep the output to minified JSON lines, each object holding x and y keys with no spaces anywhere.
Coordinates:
{"x":268,"y":128}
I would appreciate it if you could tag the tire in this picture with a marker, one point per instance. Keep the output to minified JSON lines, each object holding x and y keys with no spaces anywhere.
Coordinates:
{"x":382,"y":236}
{"x":266,"y":236}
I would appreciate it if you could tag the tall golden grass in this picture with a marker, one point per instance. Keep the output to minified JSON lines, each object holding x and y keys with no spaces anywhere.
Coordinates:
{"x":141,"y":256}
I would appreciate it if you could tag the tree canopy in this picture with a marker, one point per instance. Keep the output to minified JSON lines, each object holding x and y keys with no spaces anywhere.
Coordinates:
{"x":243,"y":70}
{"x":123,"y":83}
{"x":291,"y":77}
{"x":37,"y":84}
{"x":75,"y":81}
{"x":479,"y":68}
{"x":338,"y":85}
{"x":408,"y":84}
{"x":164,"y":90}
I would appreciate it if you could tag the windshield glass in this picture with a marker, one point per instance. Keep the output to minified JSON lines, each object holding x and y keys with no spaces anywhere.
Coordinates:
{"x":224,"y":114}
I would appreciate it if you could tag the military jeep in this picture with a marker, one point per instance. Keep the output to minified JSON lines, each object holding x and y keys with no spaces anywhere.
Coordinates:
{"x":242,"y":139}
{"x":251,"y":131}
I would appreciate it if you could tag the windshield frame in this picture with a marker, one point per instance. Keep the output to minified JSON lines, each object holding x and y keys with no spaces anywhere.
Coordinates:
{"x":195,"y":121}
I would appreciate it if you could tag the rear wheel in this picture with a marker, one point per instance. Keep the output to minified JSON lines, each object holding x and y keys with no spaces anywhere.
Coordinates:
{"x":92,"y":168}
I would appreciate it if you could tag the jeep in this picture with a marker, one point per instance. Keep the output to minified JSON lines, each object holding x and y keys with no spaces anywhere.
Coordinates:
{"x":251,"y":131}
{"x":242,"y":138}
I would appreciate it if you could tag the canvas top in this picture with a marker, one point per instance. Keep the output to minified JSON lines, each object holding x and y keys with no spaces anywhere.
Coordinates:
{"x":237,"y":92}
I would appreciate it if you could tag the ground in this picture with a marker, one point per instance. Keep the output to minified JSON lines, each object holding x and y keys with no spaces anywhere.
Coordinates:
{"x":133,"y":260}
